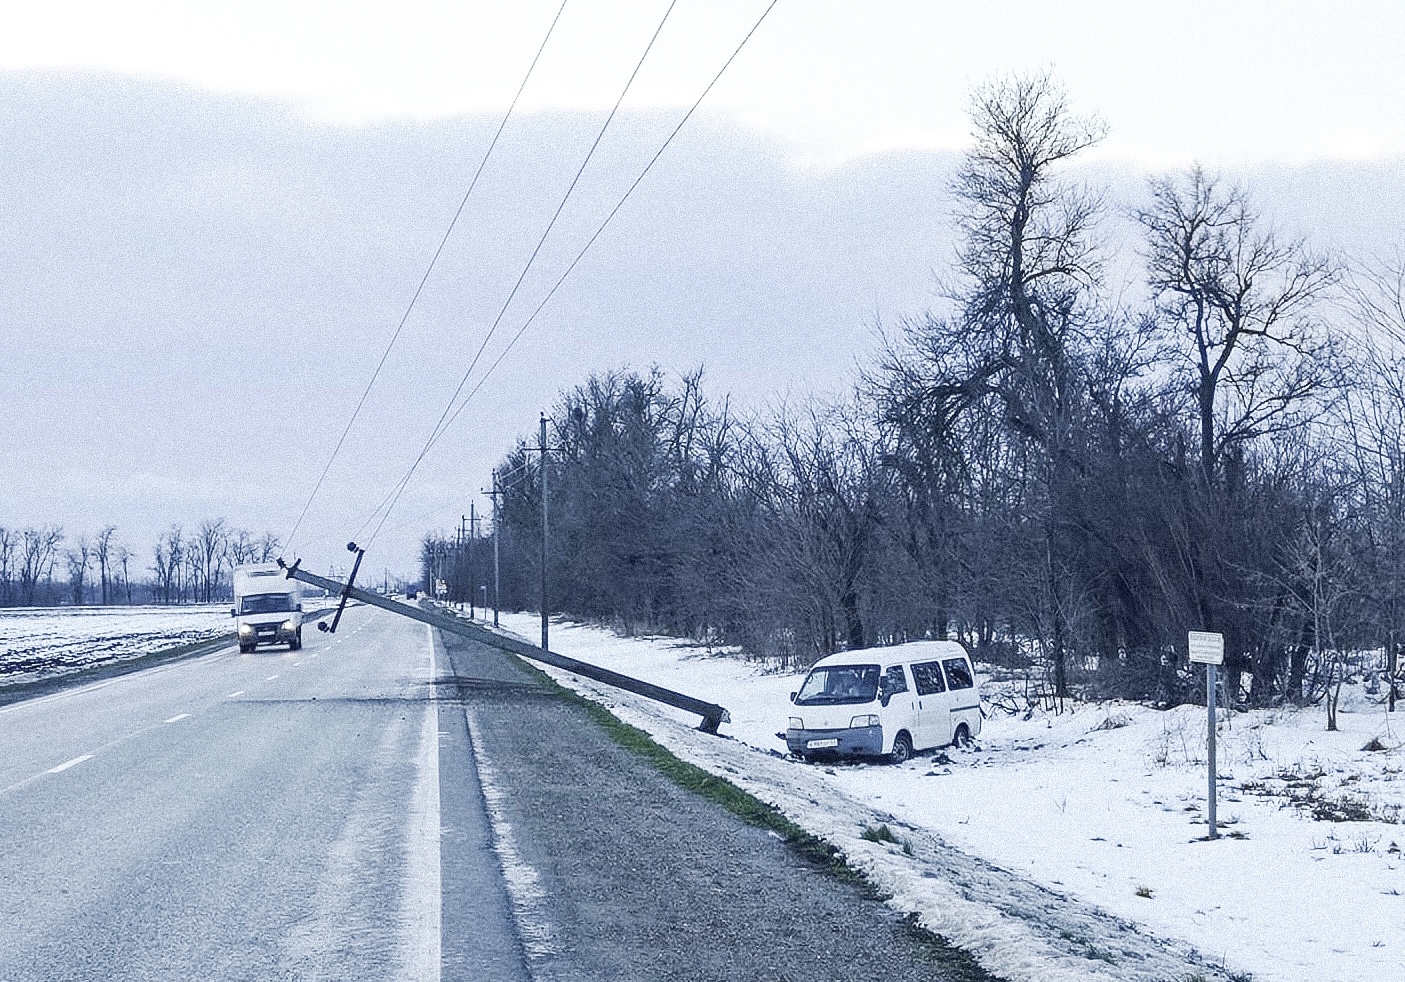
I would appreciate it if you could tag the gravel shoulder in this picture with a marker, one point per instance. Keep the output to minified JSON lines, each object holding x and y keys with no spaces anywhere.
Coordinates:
{"x":621,"y":873}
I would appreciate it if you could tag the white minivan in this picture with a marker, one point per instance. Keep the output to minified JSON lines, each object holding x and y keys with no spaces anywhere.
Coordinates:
{"x":886,"y":702}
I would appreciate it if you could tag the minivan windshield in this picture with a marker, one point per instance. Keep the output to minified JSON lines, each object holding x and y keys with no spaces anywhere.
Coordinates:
{"x":836,"y":685}
{"x":265,"y":603}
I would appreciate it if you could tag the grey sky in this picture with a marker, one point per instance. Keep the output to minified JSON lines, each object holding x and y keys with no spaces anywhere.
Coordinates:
{"x":214,"y":223}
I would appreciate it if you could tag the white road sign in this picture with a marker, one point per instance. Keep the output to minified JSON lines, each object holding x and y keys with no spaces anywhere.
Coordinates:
{"x":1206,"y":648}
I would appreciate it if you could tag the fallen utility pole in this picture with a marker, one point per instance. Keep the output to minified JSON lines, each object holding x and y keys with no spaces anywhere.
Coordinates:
{"x":712,"y":714}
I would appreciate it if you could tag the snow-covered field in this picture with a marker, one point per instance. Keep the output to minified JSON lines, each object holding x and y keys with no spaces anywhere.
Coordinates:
{"x":45,"y":642}
{"x":1104,"y":803}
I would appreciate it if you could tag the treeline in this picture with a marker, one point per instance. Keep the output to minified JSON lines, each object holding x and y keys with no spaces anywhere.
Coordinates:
{"x":43,"y":567}
{"x":1039,"y":466}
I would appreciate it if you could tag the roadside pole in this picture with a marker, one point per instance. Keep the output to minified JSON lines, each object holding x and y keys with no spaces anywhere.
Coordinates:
{"x":1207,"y":648}
{"x":494,"y":495}
{"x":545,"y":628}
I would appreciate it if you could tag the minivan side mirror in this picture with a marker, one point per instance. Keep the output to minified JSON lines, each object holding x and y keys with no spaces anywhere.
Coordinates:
{"x":885,"y":698}
{"x":233,"y":612}
{"x":793,"y":695}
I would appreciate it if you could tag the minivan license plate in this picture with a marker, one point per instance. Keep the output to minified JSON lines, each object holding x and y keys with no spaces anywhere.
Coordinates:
{"x":820,"y":744}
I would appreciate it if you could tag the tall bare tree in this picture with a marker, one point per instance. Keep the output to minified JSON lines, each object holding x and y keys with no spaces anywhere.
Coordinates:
{"x":1242,"y":301}
{"x":79,"y":558}
{"x":102,"y":550}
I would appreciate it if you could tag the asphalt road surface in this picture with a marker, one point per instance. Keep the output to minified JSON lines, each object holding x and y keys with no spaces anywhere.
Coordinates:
{"x":378,"y":807}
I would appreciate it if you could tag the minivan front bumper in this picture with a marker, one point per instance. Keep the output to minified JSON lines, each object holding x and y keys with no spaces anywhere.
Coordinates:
{"x":860,"y":741}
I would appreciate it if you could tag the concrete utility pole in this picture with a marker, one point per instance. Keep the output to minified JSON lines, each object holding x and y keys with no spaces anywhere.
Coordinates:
{"x":494,"y":495}
{"x":472,"y":535}
{"x":545,"y":618}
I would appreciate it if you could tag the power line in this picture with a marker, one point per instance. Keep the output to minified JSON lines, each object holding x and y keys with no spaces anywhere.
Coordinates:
{"x":425,"y":278}
{"x":608,"y":218}
{"x":447,"y":419}
{"x":502,"y":311}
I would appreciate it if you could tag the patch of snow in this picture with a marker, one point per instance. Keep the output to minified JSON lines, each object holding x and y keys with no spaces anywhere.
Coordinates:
{"x":44,"y":642}
{"x":1103,"y":804}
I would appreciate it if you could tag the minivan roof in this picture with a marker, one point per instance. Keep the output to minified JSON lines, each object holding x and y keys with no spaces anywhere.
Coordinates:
{"x":909,"y":652}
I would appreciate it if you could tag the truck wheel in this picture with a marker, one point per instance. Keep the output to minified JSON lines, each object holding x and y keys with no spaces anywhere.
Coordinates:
{"x":902,"y":749}
{"x":962,"y":740}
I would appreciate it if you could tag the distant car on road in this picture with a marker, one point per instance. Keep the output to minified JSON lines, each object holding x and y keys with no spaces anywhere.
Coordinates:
{"x":886,"y":702}
{"x":267,"y":607}
{"x":411,"y":594}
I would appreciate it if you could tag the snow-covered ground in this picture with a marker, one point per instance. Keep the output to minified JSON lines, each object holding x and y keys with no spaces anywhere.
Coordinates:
{"x":44,"y":642}
{"x":1104,"y":803}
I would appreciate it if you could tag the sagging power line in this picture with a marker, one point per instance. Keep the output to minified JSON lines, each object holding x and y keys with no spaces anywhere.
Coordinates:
{"x":451,"y":413}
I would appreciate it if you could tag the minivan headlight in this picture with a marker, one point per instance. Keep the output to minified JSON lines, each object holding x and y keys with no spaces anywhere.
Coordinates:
{"x":246,"y":629}
{"x":796,"y":723}
{"x":861,"y":721}
{"x":289,"y":626}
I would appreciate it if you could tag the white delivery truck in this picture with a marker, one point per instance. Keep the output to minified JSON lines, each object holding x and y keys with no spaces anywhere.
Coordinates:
{"x":267,"y":607}
{"x":886,"y":702}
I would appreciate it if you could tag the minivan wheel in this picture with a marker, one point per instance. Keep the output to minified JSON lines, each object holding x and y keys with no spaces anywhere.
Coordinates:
{"x":963,"y":737}
{"x":902,"y":749}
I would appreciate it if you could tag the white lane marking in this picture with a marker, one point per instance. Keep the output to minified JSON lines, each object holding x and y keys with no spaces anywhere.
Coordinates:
{"x":523,"y":882}
{"x":70,"y":763}
{"x":177,"y":719}
{"x":298,"y":664}
{"x":270,"y":678}
{"x":421,"y":910}
{"x":235,"y":695}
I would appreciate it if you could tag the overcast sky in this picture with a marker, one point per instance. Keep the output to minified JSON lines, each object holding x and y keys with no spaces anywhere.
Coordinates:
{"x":215,"y":216}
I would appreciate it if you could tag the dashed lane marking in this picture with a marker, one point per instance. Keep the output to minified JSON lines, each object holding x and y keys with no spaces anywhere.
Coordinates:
{"x":270,"y":678}
{"x":177,"y":719}
{"x":70,"y":763}
{"x":235,"y":695}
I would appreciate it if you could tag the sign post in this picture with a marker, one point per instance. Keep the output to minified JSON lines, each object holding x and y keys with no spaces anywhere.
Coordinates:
{"x":1207,"y":648}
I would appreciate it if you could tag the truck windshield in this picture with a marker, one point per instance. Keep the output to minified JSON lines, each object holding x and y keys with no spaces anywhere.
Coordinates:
{"x":265,"y":603}
{"x":839,"y":685}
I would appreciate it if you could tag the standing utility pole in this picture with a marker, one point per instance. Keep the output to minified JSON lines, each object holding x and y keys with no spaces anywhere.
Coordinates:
{"x":472,"y":536}
{"x":496,"y":526}
{"x":545,"y":628}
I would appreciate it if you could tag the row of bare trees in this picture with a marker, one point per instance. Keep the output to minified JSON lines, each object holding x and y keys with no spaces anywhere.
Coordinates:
{"x":1039,"y":465}
{"x":42,"y":567}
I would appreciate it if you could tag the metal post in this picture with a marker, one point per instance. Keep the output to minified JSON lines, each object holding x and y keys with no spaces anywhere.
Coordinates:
{"x":545,"y":628}
{"x":496,"y":527}
{"x":1210,"y":672}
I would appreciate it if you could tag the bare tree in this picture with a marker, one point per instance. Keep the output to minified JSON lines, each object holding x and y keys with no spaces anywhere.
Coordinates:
{"x":211,"y":548}
{"x":1242,"y":301}
{"x":78,"y":561}
{"x":102,"y":549}
{"x":38,"y":554}
{"x":124,"y":558}
{"x":9,"y":544}
{"x":268,"y":547}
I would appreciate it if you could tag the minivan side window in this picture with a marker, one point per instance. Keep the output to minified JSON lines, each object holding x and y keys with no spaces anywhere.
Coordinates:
{"x":928,"y":678}
{"x":958,"y":672}
{"x":894,"y":681}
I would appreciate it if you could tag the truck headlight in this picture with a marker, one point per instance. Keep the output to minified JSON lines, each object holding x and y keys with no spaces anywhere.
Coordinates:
{"x":246,"y":629}
{"x":859,"y":722}
{"x":796,"y":723}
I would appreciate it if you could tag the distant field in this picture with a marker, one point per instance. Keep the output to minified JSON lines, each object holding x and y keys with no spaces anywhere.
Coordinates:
{"x":41,"y":643}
